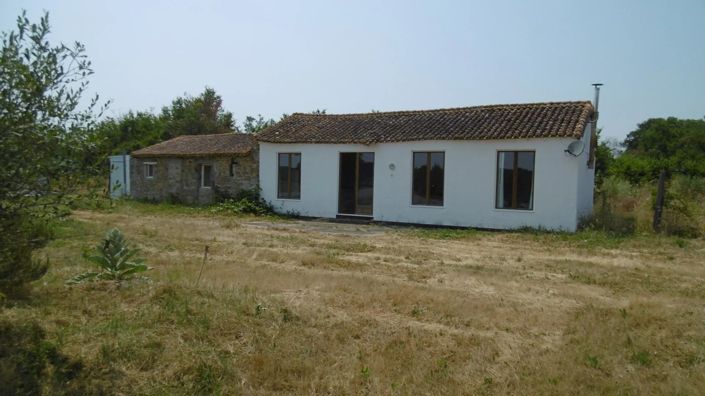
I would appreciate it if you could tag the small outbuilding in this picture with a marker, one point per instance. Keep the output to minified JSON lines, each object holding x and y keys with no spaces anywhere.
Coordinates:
{"x":497,"y":166}
{"x":195,"y":169}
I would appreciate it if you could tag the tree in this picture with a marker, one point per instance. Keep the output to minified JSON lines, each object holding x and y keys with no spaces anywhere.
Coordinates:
{"x":603,"y":159}
{"x":44,"y":135}
{"x":201,"y":115}
{"x":256,"y":124}
{"x":130,"y":132}
{"x":672,"y":144}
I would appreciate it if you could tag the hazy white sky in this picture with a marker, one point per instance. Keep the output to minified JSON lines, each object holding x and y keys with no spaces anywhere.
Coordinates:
{"x":274,"y":57}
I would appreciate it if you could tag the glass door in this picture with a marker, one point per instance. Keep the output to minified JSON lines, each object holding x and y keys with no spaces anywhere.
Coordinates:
{"x":355,"y":194}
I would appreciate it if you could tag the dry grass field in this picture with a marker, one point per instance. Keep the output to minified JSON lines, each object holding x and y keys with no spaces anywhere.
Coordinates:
{"x":308,"y":307}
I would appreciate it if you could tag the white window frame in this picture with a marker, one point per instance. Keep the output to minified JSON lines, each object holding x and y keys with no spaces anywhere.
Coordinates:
{"x":203,"y":172}
{"x":147,"y":167}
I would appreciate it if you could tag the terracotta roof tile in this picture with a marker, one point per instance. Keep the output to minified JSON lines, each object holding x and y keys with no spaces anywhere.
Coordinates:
{"x":200,"y":146}
{"x":512,"y":121}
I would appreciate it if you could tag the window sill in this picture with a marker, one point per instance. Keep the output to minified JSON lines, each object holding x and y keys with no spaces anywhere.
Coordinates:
{"x":289,"y":199}
{"x":514,"y":210}
{"x":428,"y":206}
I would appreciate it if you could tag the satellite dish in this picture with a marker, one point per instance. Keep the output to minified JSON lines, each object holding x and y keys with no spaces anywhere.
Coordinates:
{"x":575,"y":148}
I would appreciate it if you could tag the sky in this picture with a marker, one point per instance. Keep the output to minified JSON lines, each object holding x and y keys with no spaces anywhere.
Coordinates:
{"x":274,"y":57}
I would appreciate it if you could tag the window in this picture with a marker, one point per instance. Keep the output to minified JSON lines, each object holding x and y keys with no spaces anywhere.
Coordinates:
{"x":428,"y":179}
{"x":515,"y":180}
{"x":233,"y":165}
{"x":289,"y":180}
{"x":206,"y":178}
{"x":149,"y":168}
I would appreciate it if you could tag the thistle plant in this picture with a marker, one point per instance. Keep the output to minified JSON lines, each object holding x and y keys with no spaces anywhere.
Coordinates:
{"x":115,"y":258}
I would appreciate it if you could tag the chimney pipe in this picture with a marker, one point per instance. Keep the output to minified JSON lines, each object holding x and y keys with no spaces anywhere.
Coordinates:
{"x":593,"y":138}
{"x":596,"y":102}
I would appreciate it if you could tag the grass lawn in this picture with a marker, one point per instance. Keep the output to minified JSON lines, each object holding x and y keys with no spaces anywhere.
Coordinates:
{"x":307,"y":307}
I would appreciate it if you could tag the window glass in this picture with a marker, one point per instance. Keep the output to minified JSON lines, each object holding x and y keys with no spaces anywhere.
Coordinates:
{"x":149,"y":170}
{"x":289,"y":178}
{"x":206,"y":176}
{"x":428,"y":174}
{"x":283,"y":179}
{"x":233,"y":165}
{"x":295,"y":192}
{"x":436,"y":179}
{"x":515,"y":180}
{"x":525,"y":180}
{"x":418,"y":195}
{"x":505,"y":179}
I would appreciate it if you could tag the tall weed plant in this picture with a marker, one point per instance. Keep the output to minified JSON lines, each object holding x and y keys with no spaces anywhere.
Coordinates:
{"x":625,"y":208}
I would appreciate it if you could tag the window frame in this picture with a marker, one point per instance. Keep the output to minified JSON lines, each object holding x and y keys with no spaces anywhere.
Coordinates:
{"x":147,"y":166}
{"x":279,"y":193}
{"x":203,"y":173}
{"x":428,"y":178}
{"x":515,"y":179}
{"x":233,"y":164}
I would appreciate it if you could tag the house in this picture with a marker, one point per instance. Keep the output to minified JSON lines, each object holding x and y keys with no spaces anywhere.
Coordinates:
{"x":499,"y":166}
{"x":195,"y":168}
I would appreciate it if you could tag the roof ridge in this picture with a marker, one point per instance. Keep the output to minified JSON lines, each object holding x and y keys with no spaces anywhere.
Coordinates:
{"x":213,"y":134}
{"x":449,"y":109}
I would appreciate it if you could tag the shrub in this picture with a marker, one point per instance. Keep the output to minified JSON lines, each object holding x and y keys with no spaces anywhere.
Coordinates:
{"x":615,"y":206}
{"x":19,"y":236}
{"x":115,"y":258}
{"x":684,"y":214}
{"x":31,"y":365}
{"x":624,"y":208}
{"x":245,"y":202}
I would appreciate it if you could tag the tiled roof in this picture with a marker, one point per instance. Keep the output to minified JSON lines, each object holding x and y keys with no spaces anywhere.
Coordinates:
{"x":512,"y":121}
{"x":200,"y":146}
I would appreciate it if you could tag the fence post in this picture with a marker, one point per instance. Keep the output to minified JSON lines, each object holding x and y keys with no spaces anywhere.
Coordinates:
{"x":203,"y":264}
{"x":660,"y":196}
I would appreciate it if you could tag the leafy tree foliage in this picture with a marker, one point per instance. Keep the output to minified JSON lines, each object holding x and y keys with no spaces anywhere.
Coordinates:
{"x":140,"y":129}
{"x":256,"y":124}
{"x":44,"y":135}
{"x":132,"y":131}
{"x":128,"y":132}
{"x":672,"y":144}
{"x":203,"y":114}
{"x":604,"y":157}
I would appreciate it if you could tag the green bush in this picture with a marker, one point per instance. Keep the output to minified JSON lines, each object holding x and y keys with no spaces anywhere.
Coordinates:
{"x":245,"y":202}
{"x":19,"y":236}
{"x":684,"y":214}
{"x":31,"y":365}
{"x":635,"y":169}
{"x":623,"y":208}
{"x":614,"y":209}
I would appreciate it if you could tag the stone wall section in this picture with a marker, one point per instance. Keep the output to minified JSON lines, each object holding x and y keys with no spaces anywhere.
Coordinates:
{"x":179,"y":179}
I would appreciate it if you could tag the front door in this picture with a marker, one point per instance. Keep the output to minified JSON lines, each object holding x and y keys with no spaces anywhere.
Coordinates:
{"x":356,"y":183}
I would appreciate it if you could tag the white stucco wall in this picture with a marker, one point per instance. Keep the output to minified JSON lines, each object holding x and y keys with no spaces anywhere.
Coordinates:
{"x":470,"y":174}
